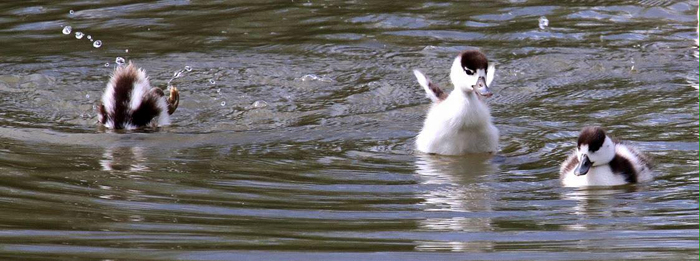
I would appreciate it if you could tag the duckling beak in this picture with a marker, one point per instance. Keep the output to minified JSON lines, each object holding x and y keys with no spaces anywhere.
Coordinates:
{"x":481,"y":88}
{"x":583,"y":166}
{"x":173,"y":100}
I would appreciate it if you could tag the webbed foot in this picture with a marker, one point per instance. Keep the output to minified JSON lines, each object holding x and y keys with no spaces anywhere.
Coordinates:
{"x":173,"y":100}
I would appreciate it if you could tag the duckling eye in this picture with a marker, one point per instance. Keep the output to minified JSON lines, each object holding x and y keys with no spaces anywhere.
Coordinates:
{"x":468,"y":71}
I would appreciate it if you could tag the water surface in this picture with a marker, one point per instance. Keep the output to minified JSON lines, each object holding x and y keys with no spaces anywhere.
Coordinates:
{"x":294,"y":136}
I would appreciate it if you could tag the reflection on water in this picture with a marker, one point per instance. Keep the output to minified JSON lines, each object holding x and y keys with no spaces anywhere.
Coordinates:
{"x":455,"y":178}
{"x":455,"y":184}
{"x":126,"y":159}
{"x":596,"y":202}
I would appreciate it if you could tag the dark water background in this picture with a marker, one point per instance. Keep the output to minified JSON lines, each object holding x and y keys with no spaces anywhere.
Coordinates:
{"x":295,"y":131}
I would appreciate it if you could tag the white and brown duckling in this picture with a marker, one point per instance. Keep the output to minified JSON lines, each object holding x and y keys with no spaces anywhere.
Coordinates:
{"x":599,"y":160}
{"x":129,"y":102}
{"x":460,"y":123}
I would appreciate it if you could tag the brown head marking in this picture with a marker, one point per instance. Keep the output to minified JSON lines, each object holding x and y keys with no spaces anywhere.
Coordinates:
{"x":473,"y":60}
{"x":594,"y":137}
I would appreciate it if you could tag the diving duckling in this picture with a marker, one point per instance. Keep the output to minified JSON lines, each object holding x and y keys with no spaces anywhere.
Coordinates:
{"x":129,"y":102}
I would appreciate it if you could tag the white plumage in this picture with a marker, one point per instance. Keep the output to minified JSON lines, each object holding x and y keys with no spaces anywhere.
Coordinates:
{"x":600,"y":161}
{"x":460,"y":123}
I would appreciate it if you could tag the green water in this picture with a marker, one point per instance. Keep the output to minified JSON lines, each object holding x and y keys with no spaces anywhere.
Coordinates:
{"x":294,"y":136}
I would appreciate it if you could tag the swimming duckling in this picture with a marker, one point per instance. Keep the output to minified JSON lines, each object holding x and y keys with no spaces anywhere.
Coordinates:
{"x":600,"y":160}
{"x":460,"y":122}
{"x":130,"y":103}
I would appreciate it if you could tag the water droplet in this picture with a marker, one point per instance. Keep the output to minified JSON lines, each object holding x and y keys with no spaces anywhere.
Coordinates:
{"x":309,"y":77}
{"x":71,"y":12}
{"x":79,"y":35}
{"x":97,"y":44}
{"x":177,"y":74}
{"x":87,"y":96}
{"x":89,"y":37}
{"x":126,"y":51}
{"x":223,"y":103}
{"x":120,"y":61}
{"x":544,"y":22}
{"x":212,"y":81}
{"x":218,"y":90}
{"x":67,"y":29}
{"x":188,"y":68}
{"x":259,"y":104}
{"x":106,"y":64}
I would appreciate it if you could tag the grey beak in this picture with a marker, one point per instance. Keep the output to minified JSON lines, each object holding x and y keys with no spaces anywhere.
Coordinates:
{"x":583,"y":166}
{"x":481,"y":88}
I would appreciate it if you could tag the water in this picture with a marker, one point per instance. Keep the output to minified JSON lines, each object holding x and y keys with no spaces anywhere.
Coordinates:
{"x":119,"y":60}
{"x":325,"y":170}
{"x":67,"y":29}
{"x":544,"y":22}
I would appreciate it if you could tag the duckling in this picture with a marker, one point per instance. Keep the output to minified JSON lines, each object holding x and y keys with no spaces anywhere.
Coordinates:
{"x":600,"y":160}
{"x":130,"y":103}
{"x":460,"y":123}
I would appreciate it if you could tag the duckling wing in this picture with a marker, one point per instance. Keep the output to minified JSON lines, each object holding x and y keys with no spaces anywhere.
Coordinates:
{"x":568,"y":165}
{"x":643,"y":158}
{"x":432,"y":90}
{"x":490,"y":74}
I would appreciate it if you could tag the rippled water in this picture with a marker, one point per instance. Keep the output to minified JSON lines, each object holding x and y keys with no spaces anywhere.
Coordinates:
{"x":294,"y":135}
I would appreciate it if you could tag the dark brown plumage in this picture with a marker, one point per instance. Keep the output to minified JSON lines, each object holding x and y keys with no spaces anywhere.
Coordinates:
{"x":474,"y":60}
{"x":594,"y":137}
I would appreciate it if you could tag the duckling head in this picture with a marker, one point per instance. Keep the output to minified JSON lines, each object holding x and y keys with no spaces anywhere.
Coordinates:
{"x":594,"y":148}
{"x":471,"y":72}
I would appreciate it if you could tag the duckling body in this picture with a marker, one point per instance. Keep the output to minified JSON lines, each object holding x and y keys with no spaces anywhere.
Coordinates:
{"x":129,"y":102}
{"x":601,"y":161}
{"x":460,"y":123}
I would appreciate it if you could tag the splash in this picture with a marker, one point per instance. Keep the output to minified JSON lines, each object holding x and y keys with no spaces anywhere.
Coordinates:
{"x":120,"y":61}
{"x":544,"y":22}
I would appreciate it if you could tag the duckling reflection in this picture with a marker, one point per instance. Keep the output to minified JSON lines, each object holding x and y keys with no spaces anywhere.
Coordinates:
{"x":455,"y":184}
{"x":126,"y":159}
{"x":593,"y":204}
